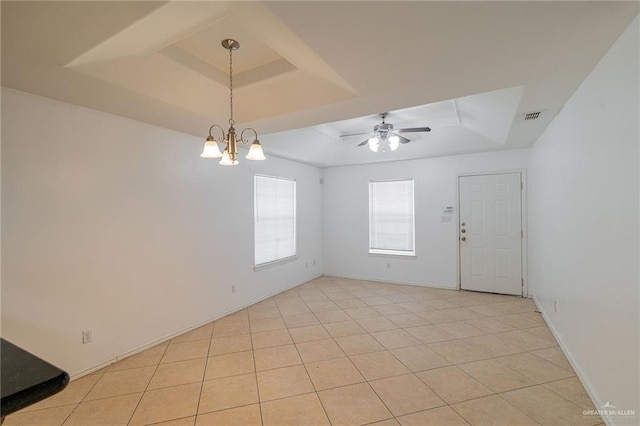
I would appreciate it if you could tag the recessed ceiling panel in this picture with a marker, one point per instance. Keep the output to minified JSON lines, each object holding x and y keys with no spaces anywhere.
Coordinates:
{"x":202,"y":51}
{"x":205,"y":44}
{"x":187,"y":66}
{"x":470,"y":124}
{"x":490,"y":114}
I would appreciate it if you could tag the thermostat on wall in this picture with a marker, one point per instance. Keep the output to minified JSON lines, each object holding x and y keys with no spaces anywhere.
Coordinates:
{"x":447,"y":213}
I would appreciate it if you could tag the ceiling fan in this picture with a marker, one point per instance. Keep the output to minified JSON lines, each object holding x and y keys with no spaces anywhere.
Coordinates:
{"x":384,"y":135}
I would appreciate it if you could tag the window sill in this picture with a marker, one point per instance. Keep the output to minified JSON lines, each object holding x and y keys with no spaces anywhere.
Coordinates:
{"x":268,"y":265}
{"x":385,"y":253}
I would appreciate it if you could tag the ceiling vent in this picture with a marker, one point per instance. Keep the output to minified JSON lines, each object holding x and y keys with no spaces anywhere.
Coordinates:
{"x":527,"y":116}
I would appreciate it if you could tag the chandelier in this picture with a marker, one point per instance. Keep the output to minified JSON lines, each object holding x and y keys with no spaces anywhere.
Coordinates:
{"x":230,"y":155}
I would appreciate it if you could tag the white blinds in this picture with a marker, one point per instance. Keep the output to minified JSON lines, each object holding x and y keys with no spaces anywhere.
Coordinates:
{"x":391,"y":222}
{"x":274,"y":219}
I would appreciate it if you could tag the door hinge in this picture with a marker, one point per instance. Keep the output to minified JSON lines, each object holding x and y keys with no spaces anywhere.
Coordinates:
{"x":521,"y":185}
{"x":521,"y":234}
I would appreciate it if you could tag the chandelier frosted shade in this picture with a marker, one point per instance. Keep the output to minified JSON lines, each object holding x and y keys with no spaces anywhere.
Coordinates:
{"x":255,"y":151}
{"x":211,"y":149}
{"x":226,"y":159}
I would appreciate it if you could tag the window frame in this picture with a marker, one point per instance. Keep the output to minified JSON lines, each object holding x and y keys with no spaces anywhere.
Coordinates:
{"x":393,"y":252}
{"x":286,"y":259}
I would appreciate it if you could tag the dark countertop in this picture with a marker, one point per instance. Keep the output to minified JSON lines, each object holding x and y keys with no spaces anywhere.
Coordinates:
{"x":26,"y":379}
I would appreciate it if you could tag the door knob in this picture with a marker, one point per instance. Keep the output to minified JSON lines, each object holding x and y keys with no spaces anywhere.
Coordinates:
{"x":464,"y":238}
{"x":463,"y":230}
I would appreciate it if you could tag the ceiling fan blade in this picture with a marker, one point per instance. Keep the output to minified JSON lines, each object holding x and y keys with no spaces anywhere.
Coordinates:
{"x":354,"y":134}
{"x":364,"y":142}
{"x":414,"y":129}
{"x":403,"y":139}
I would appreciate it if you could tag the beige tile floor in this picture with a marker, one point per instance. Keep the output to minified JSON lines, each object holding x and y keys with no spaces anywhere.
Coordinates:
{"x":340,"y":352}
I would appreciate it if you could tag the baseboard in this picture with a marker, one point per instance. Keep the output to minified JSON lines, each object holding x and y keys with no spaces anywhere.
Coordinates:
{"x":593,"y":395}
{"x":391,"y":282}
{"x":174,"y":334}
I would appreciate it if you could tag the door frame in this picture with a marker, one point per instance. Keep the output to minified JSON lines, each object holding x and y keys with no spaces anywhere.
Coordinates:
{"x":523,"y":218}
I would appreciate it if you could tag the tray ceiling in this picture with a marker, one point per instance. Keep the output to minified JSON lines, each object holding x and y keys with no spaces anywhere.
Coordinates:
{"x":308,"y":71}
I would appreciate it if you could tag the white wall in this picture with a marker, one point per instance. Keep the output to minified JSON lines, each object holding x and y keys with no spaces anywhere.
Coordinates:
{"x":346,"y":217}
{"x":118,"y":226}
{"x":584,"y":226}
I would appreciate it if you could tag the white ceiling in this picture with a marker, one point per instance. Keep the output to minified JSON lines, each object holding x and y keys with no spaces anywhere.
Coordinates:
{"x":310,"y":71}
{"x":469,"y":124}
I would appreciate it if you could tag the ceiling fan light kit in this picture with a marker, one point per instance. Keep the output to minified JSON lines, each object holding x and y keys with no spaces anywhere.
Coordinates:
{"x":385,"y":136}
{"x":374,"y":143}
{"x":229,"y":157}
{"x":393,"y":142}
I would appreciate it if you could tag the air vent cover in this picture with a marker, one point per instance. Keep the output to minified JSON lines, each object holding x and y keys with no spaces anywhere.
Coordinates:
{"x":531,"y":115}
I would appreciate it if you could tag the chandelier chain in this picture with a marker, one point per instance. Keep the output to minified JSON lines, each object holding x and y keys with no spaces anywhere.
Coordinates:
{"x":231,"y":121}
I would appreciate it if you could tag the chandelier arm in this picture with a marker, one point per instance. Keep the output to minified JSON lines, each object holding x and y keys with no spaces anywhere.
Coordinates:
{"x":218,"y":127}
{"x":243,"y":140}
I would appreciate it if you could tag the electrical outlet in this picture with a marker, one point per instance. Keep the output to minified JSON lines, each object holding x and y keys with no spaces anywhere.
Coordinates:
{"x":233,"y":288}
{"x":87,"y":336}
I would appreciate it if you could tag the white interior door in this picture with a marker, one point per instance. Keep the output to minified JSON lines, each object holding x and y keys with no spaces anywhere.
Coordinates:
{"x":490,"y":233}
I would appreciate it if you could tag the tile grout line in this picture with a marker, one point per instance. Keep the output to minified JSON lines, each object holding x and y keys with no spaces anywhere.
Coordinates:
{"x":324,"y":409}
{"x":255,"y":367}
{"x":147,"y":386}
{"x":364,"y":381}
{"x":369,"y":333}
{"x":204,"y":373}
{"x":381,"y":378}
{"x":368,"y":290}
{"x":77,"y":404}
{"x":171,"y":420}
{"x":360,"y":372}
{"x":561,"y":396}
{"x":413,"y":373}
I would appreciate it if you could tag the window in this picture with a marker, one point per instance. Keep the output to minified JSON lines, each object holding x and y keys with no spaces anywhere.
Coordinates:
{"x":274,"y":219}
{"x":391,"y":222}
